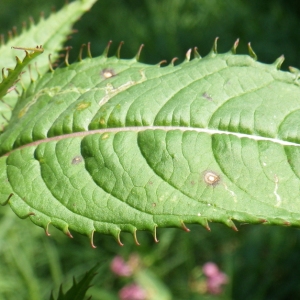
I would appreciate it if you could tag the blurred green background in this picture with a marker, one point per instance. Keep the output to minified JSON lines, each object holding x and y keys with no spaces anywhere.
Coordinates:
{"x":261,"y":262}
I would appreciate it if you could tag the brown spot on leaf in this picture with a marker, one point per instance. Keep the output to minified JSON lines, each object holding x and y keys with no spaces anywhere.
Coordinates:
{"x":207,"y":96}
{"x":211,"y":178}
{"x":77,"y":160}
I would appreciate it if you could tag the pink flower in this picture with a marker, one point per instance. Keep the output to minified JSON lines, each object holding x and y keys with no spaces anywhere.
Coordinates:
{"x":215,"y":278}
{"x":120,"y":267}
{"x":132,"y":292}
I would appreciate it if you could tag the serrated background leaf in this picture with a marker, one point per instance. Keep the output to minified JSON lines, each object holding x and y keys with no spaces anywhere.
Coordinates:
{"x":50,"y":33}
{"x":79,"y":288}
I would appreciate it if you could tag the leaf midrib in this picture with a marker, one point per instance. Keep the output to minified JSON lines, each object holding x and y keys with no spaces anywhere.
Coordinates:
{"x":165,"y":128}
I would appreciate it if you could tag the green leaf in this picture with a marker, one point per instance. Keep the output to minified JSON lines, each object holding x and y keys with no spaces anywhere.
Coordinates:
{"x":113,"y":145}
{"x":78,"y":289}
{"x":9,"y":80}
{"x":50,"y":33}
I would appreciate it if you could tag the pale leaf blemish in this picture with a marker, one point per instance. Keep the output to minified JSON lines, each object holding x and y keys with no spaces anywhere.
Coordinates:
{"x":199,"y":214}
{"x":232,"y":193}
{"x":108,"y":73}
{"x":111,"y":91}
{"x":211,"y":178}
{"x":83,"y":105}
{"x":104,"y":136}
{"x":278,"y":198}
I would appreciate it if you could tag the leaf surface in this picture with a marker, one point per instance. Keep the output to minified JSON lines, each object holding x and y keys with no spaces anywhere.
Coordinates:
{"x":113,"y":145}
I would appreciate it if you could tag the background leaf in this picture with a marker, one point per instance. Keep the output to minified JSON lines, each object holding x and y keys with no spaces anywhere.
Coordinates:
{"x":50,"y":33}
{"x":79,"y":288}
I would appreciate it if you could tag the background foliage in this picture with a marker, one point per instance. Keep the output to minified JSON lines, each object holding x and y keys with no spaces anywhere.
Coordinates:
{"x":261,"y":262}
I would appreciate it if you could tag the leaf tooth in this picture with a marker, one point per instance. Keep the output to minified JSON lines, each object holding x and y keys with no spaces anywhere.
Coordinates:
{"x":154,"y":234}
{"x":173,"y":61}
{"x":262,"y":221}
{"x":10,"y":35}
{"x":80,"y":52}
{"x":14,"y":31}
{"x":214,"y":51}
{"x":295,"y":71}
{"x":251,"y":52}
{"x":291,"y":223}
{"x":89,"y":53}
{"x":106,"y":50}
{"x":278,"y":62}
{"x":9,"y":70}
{"x":119,"y":239}
{"x":31,"y":21}
{"x":184,"y":227}
{"x":3,"y":74}
{"x":26,"y":215}
{"x":235,"y":45}
{"x":68,"y":233}
{"x":42,"y":16}
{"x":215,"y":45}
{"x":119,"y":49}
{"x":30,"y":73}
{"x":230,"y":224}
{"x":135,"y":237}
{"x":50,"y":63}
{"x":188,"y":55}
{"x":161,"y":62}
{"x":47,"y":229}
{"x":204,"y":222}
{"x":67,"y":55}
{"x":196,"y":53}
{"x":7,"y":200}
{"x":137,"y":57}
{"x":91,"y":236}
{"x":24,"y":26}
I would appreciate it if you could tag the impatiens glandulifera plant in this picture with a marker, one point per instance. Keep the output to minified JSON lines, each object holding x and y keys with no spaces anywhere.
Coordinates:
{"x":109,"y":145}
